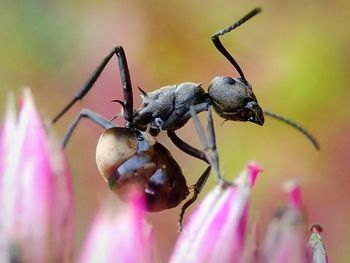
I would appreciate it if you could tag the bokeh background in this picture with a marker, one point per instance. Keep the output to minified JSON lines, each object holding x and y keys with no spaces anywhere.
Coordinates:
{"x":295,"y":54}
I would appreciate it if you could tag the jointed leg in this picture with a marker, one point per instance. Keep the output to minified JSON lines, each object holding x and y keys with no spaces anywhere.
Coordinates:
{"x":185,"y":147}
{"x":85,"y":113}
{"x":182,"y":115}
{"x":211,"y":157}
{"x":126,"y":82}
{"x":208,"y":142}
{"x":197,"y":188}
{"x":210,"y":154}
{"x":125,"y":79}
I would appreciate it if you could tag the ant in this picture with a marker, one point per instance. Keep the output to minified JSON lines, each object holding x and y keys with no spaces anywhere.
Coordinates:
{"x":131,"y":155}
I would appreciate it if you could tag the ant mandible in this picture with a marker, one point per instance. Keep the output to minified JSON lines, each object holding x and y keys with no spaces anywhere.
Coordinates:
{"x":131,"y":155}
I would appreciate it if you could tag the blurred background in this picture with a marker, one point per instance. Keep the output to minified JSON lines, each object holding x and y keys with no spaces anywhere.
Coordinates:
{"x":295,"y":55}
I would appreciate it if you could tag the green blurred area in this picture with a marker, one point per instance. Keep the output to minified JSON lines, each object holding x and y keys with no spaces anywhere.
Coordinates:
{"x":296,"y":55}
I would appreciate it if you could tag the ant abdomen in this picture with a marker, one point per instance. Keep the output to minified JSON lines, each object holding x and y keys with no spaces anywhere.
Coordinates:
{"x":127,"y":158}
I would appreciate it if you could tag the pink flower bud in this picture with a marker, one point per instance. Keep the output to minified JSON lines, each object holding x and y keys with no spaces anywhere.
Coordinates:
{"x":216,"y":230}
{"x":119,"y":234}
{"x":35,"y":196}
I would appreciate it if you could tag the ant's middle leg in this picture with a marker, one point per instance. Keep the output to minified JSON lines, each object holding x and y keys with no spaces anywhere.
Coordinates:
{"x":190,"y":150}
{"x":185,"y":147}
{"x":125,"y":79}
{"x":209,"y":155}
{"x":198,"y":186}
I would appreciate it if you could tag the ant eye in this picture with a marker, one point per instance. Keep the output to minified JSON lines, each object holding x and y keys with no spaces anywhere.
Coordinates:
{"x":248,"y":102}
{"x":229,"y":80}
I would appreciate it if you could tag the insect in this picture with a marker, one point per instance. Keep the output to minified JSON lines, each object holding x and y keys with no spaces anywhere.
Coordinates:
{"x":131,"y":155}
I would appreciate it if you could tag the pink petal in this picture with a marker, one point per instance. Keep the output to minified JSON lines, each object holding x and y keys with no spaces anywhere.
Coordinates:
{"x":30,"y":203}
{"x":285,"y":238}
{"x":252,"y":246}
{"x":253,"y":169}
{"x":294,"y":194}
{"x":8,"y":131}
{"x":119,"y":234}
{"x":63,"y":215}
{"x":217,"y":228}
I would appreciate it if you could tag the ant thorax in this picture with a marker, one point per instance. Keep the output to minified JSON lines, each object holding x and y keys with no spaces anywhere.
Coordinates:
{"x":164,"y":108}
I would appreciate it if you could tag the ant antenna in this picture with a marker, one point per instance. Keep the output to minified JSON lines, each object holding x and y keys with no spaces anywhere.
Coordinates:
{"x":216,"y":40}
{"x":294,"y":125}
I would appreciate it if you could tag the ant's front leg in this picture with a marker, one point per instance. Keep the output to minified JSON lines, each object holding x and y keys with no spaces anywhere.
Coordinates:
{"x":208,"y":142}
{"x":180,"y":116}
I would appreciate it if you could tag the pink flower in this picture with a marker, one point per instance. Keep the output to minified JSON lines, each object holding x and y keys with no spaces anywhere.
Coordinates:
{"x":35,"y":191}
{"x":216,"y":230}
{"x":119,"y":234}
{"x":285,"y":238}
{"x":36,"y":223}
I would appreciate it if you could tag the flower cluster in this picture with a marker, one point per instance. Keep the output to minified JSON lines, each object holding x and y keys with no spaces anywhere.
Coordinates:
{"x":36,"y":207}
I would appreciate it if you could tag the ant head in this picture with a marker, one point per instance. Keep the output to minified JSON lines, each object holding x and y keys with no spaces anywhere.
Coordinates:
{"x":233,"y":99}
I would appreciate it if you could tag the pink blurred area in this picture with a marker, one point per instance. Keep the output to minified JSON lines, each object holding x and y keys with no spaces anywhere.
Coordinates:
{"x":295,"y":56}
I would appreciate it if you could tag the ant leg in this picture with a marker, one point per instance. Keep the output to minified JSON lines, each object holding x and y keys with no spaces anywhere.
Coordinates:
{"x":185,"y":147}
{"x":86,"y":87}
{"x":182,"y":115}
{"x":126,"y":83}
{"x":197,"y":188}
{"x":208,"y":142}
{"x":216,"y":40}
{"x":185,"y":114}
{"x":85,"y":113}
{"x":211,"y":157}
{"x":125,"y":79}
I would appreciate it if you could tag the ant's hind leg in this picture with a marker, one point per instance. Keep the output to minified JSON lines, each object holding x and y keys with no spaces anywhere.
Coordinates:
{"x":125,"y":79}
{"x":85,"y":88}
{"x":85,"y":113}
{"x":126,"y":83}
